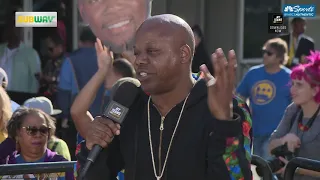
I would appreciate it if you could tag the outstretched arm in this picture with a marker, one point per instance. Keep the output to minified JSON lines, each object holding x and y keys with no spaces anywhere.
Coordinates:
{"x":81,"y":104}
{"x":79,"y":109}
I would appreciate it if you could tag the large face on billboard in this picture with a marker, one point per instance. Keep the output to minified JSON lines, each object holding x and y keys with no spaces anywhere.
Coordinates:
{"x":115,"y":21}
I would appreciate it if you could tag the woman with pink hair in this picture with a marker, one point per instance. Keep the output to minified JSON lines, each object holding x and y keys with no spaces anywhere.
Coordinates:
{"x":299,"y":129}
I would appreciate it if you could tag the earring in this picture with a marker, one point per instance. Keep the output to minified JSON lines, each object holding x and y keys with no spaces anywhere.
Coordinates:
{"x":17,"y":144}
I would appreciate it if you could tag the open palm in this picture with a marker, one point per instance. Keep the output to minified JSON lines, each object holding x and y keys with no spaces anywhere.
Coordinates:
{"x":104,"y":55}
{"x":220,"y":87}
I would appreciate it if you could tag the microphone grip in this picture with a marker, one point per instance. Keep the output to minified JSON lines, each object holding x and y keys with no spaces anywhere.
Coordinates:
{"x":93,"y":154}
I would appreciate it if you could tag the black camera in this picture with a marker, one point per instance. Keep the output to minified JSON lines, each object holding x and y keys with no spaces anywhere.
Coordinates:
{"x":275,"y":164}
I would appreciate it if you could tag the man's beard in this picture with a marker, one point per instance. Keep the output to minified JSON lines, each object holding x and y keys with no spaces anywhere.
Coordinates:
{"x":128,"y":45}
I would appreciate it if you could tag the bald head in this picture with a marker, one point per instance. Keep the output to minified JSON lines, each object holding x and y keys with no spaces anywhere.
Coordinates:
{"x":168,"y":25}
{"x":164,"y":50}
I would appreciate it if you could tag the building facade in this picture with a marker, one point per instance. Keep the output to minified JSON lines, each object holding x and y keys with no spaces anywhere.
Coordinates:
{"x":230,"y":24}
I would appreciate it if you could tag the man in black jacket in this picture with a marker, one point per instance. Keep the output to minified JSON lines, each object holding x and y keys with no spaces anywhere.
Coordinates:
{"x":182,"y":129}
{"x":299,"y":44}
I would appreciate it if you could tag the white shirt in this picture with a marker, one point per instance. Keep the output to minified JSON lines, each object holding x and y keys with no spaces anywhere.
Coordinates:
{"x":7,"y":59}
{"x":6,"y":62}
{"x":14,"y":106}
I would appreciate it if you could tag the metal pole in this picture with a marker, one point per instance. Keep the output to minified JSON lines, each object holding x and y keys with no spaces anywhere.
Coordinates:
{"x":300,"y":163}
{"x":37,"y":168}
{"x":261,"y":163}
{"x":27,"y":31}
{"x":241,"y":11}
{"x":75,"y":25}
{"x":168,"y":6}
{"x":202,"y":15}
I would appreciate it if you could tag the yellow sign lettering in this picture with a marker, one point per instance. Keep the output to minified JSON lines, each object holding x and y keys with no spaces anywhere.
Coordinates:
{"x":30,"y":18}
{"x":25,"y":19}
{"x":20,"y":19}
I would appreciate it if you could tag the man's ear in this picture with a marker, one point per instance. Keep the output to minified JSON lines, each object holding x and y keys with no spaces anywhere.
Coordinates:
{"x":82,"y":13}
{"x":185,"y":54}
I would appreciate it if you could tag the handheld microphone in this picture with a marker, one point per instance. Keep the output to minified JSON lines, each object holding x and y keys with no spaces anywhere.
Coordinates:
{"x":123,"y":94}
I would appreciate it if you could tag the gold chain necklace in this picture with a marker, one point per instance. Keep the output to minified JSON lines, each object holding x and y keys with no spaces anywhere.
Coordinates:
{"x":150,"y":140}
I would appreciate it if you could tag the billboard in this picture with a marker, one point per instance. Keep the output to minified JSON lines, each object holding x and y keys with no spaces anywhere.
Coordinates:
{"x":115,"y":22}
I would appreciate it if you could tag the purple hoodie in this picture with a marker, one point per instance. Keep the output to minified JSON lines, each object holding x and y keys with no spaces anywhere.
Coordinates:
{"x":8,"y":156}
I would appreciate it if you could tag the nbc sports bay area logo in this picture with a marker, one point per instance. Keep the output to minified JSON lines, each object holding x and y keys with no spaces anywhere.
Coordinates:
{"x":116,"y":111}
{"x":36,"y":19}
{"x":276,"y":24}
{"x":302,"y":10}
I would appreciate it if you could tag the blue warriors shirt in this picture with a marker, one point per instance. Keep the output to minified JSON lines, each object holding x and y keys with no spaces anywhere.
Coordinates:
{"x":269,"y":96}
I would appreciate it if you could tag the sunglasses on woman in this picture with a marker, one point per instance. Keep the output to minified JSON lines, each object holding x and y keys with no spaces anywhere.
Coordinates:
{"x":269,"y":53}
{"x":32,"y":130}
{"x":50,"y":49}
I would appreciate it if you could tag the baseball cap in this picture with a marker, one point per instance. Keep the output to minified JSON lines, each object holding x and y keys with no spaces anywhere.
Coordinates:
{"x":3,"y":76}
{"x":43,"y":104}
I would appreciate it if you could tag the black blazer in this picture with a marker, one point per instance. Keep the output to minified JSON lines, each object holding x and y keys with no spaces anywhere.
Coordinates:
{"x":304,"y":47}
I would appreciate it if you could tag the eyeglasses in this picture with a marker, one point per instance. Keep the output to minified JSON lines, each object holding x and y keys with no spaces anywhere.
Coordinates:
{"x":32,"y":130}
{"x":92,"y":1}
{"x":50,"y":49}
{"x":269,"y":53}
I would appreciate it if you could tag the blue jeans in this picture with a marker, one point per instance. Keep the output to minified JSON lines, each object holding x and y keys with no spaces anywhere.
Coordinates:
{"x":260,"y":146}
{"x":121,"y":176}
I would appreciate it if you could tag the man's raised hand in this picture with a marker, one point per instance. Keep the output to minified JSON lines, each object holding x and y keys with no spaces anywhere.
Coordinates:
{"x":220,"y":87}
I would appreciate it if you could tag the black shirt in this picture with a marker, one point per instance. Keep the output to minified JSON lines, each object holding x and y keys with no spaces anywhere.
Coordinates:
{"x":196,"y":151}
